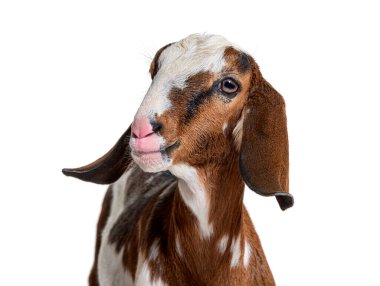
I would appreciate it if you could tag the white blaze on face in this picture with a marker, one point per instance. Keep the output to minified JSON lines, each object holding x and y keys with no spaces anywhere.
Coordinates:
{"x":179,"y":61}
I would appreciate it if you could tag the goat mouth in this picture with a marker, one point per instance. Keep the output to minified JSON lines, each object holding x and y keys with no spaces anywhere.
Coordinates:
{"x":169,"y":150}
{"x":165,"y":150}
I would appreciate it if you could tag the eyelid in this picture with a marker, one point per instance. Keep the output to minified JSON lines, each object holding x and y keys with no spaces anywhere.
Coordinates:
{"x":231,"y":78}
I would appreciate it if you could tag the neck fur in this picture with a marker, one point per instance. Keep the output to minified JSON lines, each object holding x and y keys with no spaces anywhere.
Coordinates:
{"x":213,"y":193}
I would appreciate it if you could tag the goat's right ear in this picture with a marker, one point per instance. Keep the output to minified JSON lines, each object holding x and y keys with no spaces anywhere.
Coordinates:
{"x":108,"y":168}
{"x":264,"y":158}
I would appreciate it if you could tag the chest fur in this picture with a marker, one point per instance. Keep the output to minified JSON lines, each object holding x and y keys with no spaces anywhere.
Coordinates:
{"x":121,"y":259}
{"x":138,"y":246}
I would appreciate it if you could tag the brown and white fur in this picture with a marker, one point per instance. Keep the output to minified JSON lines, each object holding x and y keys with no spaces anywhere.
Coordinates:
{"x":174,"y":213}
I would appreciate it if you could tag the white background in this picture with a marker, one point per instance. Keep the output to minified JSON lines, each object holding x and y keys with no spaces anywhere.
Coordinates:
{"x":72,"y":74}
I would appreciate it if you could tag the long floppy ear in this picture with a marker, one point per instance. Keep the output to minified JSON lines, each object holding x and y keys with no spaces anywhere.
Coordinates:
{"x":108,"y":168}
{"x":264,"y":155}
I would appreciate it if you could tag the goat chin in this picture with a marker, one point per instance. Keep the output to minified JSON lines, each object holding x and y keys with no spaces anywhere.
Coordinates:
{"x":151,"y":163}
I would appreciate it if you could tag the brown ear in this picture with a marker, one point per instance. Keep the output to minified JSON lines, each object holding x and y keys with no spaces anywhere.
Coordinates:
{"x":154,"y":66}
{"x":108,"y":168}
{"x":264,"y":155}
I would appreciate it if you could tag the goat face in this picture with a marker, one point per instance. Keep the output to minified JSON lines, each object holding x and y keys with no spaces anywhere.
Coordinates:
{"x":207,"y":100}
{"x":198,"y":92}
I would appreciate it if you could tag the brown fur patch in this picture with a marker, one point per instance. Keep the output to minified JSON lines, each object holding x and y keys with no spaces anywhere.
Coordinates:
{"x":104,"y":214}
{"x":237,"y":60}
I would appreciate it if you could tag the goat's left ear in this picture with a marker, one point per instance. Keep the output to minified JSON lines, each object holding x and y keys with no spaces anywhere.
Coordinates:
{"x":108,"y":168}
{"x":264,"y":155}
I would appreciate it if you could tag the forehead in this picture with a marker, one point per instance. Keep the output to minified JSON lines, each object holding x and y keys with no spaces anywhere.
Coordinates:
{"x":194,"y":54}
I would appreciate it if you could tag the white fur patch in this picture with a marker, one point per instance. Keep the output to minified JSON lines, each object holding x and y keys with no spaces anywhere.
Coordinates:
{"x":111,"y":269}
{"x":238,"y":132}
{"x":179,"y":61}
{"x":194,"y":54}
{"x":156,"y":100}
{"x":110,"y":266}
{"x":143,"y":274}
{"x":194,"y":195}
{"x":178,"y":245}
{"x":222,"y":244}
{"x":236,"y":252}
{"x":225,"y":125}
{"x":156,"y":164}
{"x":154,"y":250}
{"x":247,"y":254}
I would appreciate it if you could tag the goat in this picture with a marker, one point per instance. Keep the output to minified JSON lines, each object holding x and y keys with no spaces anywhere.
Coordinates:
{"x":174,"y":213}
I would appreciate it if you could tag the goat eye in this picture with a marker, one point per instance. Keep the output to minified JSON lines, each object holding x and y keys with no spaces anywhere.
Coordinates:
{"x":228,"y":86}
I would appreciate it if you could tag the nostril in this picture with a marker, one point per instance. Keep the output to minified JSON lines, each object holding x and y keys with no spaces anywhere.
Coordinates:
{"x":156,"y":126}
{"x":143,"y":127}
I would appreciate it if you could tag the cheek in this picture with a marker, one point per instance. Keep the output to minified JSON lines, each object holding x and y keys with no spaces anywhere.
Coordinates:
{"x":209,"y":128}
{"x":170,"y":122}
{"x":217,"y":116}
{"x":201,"y":137}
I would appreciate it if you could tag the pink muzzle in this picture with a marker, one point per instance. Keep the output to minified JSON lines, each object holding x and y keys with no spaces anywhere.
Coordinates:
{"x":144,"y":139}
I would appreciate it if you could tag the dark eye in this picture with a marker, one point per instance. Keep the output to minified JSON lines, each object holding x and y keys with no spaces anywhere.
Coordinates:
{"x":228,"y":86}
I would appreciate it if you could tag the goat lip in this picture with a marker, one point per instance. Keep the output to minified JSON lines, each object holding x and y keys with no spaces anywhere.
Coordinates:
{"x":167,"y":150}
